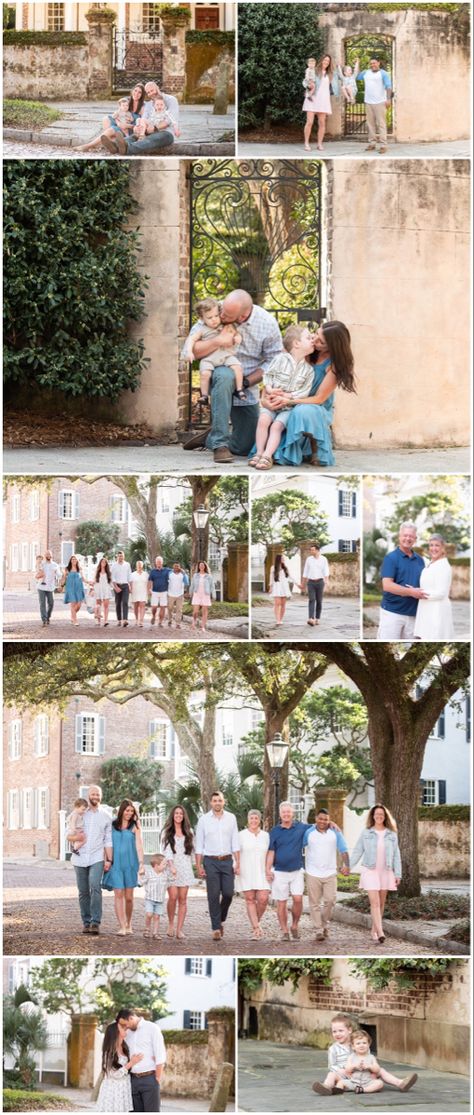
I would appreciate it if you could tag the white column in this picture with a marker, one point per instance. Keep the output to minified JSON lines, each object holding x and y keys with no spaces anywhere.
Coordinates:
{"x":62,"y":834}
{"x":70,"y":17}
{"x":120,"y":25}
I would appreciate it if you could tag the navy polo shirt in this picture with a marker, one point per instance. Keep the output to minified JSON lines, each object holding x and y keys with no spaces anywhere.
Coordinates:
{"x":159,"y":579}
{"x":404,"y":569}
{"x":288,"y":846}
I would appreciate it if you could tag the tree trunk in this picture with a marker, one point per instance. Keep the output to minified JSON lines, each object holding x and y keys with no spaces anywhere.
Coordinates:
{"x":397,"y":760}
{"x":207,"y":766}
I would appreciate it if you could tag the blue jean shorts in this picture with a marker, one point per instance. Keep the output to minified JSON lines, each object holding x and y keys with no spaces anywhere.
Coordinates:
{"x":153,"y":907}
{"x":278,"y":415}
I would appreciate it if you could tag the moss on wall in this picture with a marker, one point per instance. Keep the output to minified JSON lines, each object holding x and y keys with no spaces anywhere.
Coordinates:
{"x":44,"y":38}
{"x":201,"y":56}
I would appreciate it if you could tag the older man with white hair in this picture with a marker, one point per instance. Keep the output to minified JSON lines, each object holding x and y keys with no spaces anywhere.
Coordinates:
{"x":401,"y":572}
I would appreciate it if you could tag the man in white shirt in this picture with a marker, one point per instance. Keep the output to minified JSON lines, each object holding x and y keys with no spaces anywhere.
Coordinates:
{"x":315,"y":579}
{"x":377,"y":96}
{"x":217,"y":848}
{"x":322,"y":843}
{"x":94,"y":857}
{"x":178,"y":581}
{"x":121,"y":575}
{"x":144,"y":1037}
{"x":47,"y":577}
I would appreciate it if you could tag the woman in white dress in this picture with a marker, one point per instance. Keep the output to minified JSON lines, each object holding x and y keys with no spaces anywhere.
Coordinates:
{"x":280,"y":588}
{"x":139,"y":592}
{"x":116,"y":1090}
{"x":252,"y":879}
{"x":178,"y":848}
{"x":319,"y":103}
{"x":103,"y":591}
{"x":434,"y":617}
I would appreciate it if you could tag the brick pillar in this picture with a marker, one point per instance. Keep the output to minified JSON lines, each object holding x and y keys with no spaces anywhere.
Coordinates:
{"x":332,"y":799}
{"x":81,"y":1050}
{"x":99,"y":83}
{"x":174,"y":54}
{"x":238,"y":571}
{"x":221,"y":1047}
{"x":304,"y":548}
{"x":273,"y":548}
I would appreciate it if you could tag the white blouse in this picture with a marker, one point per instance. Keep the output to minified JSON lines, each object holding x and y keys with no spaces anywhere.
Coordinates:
{"x":253,"y":854}
{"x":434,"y":617}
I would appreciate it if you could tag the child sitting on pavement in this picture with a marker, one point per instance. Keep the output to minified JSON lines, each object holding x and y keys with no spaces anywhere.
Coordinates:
{"x":340,"y":1052}
{"x":155,"y":119}
{"x":289,"y":372}
{"x":156,"y":881}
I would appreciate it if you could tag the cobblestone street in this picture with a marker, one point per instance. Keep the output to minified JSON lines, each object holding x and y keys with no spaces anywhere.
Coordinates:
{"x":340,"y":619}
{"x":21,"y":620}
{"x":41,"y":917}
{"x":274,"y":1077}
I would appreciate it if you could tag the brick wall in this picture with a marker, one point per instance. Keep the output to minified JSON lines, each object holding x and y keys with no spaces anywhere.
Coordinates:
{"x":26,"y":533}
{"x":94,"y":503}
{"x":32,"y":771}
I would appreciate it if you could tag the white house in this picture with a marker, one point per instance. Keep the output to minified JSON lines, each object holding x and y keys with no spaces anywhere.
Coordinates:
{"x":383,"y":493}
{"x":138,"y":18}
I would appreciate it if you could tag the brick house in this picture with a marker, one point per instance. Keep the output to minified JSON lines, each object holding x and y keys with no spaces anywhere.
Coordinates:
{"x":51,"y":759}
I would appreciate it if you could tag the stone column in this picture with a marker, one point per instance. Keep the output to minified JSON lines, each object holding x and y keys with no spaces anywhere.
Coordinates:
{"x":174,"y":54}
{"x":99,"y":84}
{"x":81,"y":1050}
{"x":221,"y":1047}
{"x":238,"y":571}
{"x":273,"y":548}
{"x":334,"y":45}
{"x":332,"y":799}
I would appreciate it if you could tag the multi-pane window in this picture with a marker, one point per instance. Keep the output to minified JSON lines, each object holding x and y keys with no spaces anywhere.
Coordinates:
{"x":68,"y":504}
{"x":196,"y":967}
{"x":429,"y":792}
{"x":164,"y":501}
{"x":344,"y":546}
{"x":13,"y":809}
{"x":34,"y":551}
{"x":227,"y":736}
{"x":214,"y":555}
{"x":25,"y":557}
{"x":256,"y":718}
{"x":15,"y":733}
{"x":14,"y":557}
{"x":27,"y":818}
{"x":90,"y":733}
{"x":150,"y":17}
{"x":347,"y":504}
{"x":43,"y":807}
{"x":439,"y":730}
{"x":16,"y":508}
{"x":196,"y":1020}
{"x":41,"y":733}
{"x":34,"y":505}
{"x":118,"y":509}
{"x":55,"y":17}
{"x":159,"y":737}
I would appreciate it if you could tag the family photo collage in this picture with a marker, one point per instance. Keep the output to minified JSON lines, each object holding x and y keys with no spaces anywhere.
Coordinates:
{"x":237,"y":544}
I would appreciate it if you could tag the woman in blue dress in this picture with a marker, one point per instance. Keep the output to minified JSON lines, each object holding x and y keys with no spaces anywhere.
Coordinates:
{"x":127,"y":865}
{"x":74,"y":594}
{"x":308,"y":433}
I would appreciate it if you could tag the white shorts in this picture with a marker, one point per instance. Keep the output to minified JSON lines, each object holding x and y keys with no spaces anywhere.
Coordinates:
{"x":287,"y":883}
{"x":394,"y":627}
{"x":159,"y":599}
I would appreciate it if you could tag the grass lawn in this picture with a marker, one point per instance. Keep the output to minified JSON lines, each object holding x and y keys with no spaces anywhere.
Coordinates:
{"x":17,"y":1099}
{"x":28,"y":114}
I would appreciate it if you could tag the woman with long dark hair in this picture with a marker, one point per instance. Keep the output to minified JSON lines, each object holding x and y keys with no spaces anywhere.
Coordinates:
{"x":116,"y":1090}
{"x":74,"y":594}
{"x":318,"y":103}
{"x":103,"y":591}
{"x":378,"y":849}
{"x":122,"y":876}
{"x":279,"y":587}
{"x":178,"y":845}
{"x":109,"y":125}
{"x":308,"y":432}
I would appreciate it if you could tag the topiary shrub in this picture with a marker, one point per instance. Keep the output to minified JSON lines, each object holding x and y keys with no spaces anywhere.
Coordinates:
{"x":72,"y":284}
{"x":444,"y":812}
{"x":270,"y":89}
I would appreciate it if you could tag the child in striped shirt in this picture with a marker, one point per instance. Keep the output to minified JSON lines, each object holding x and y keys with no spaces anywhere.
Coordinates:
{"x":338,"y":1055}
{"x":156,"y":881}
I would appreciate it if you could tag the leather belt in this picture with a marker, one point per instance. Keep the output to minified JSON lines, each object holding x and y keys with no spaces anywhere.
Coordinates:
{"x":151,"y":1072}
{"x":218,"y":857}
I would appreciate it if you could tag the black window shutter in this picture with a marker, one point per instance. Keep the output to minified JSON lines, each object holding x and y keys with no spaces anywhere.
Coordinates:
{"x":206,"y":1026}
{"x":354,"y":505}
{"x":187,"y":966}
{"x":441,"y":792}
{"x":208,"y":967}
{"x":339,"y":502}
{"x":186,"y":1018}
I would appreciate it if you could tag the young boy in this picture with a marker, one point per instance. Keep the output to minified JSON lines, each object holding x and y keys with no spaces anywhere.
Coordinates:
{"x":210,"y":325}
{"x":338,"y":1056}
{"x":288,"y":373}
{"x":75,"y":824}
{"x":156,"y":882}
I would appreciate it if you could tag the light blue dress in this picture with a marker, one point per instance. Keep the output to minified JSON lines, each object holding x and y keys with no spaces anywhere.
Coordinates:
{"x":124,"y":870}
{"x":74,"y":588}
{"x":309,"y":418}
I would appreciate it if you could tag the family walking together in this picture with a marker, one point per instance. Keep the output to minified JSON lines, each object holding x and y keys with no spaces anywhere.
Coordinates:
{"x":164,"y":589}
{"x":314,"y":581}
{"x":294,"y":855}
{"x":290,"y":423}
{"x":141,"y":123}
{"x":415,"y":602}
{"x":324,"y":80}
{"x":133,"y":1061}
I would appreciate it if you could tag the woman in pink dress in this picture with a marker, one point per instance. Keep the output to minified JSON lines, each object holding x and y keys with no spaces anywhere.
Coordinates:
{"x":202,"y":593}
{"x":318,"y":103}
{"x":378,"y":849}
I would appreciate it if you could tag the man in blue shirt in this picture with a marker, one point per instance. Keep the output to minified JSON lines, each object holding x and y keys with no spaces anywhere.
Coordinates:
{"x":284,"y":868}
{"x":158,"y":580}
{"x":401,"y":572}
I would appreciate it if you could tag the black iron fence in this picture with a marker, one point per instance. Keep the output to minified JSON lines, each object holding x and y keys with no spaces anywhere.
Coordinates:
{"x":138,"y":56}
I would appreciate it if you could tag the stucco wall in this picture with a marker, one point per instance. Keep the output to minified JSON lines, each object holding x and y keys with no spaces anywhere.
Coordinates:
{"x":395,"y":224}
{"x":444,"y":849}
{"x":45,"y":72}
{"x":461,"y":582}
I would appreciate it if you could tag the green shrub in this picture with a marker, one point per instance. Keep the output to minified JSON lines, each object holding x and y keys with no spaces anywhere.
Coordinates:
{"x":434,"y":905}
{"x":221,"y":609}
{"x":348,"y":882}
{"x":336,"y":558}
{"x":460,"y":932}
{"x":44,"y":38}
{"x":186,"y":1037}
{"x":270,"y":90}
{"x":211,"y":38}
{"x":444,"y":812}
{"x":379,"y":973}
{"x":16,"y":1100}
{"x":28,"y":114}
{"x":72,"y":284}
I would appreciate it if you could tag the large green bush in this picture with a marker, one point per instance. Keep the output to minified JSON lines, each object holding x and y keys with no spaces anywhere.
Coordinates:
{"x":71,"y":281}
{"x":275,"y":41}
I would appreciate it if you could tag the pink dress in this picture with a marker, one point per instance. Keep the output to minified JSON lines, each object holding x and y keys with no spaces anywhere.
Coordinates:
{"x":201,"y":596}
{"x":379,"y":877}
{"x":322,"y":99}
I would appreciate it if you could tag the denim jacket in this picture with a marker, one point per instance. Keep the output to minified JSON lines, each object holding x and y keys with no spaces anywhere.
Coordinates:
{"x":366,"y":849}
{"x":334,"y":84}
{"x":208,"y":585}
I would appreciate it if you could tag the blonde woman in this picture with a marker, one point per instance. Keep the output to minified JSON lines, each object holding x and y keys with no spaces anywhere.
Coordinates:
{"x":434,"y":616}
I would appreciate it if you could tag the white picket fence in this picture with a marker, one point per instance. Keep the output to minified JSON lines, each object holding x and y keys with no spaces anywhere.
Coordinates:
{"x":152,"y":824}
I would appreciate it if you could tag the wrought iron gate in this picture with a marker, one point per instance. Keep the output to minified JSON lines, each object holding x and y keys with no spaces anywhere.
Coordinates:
{"x":355,"y":119}
{"x":138,"y":56}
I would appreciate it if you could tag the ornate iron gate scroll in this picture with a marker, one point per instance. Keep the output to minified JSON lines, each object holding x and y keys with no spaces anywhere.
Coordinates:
{"x":355,"y":119}
{"x":138,"y":56}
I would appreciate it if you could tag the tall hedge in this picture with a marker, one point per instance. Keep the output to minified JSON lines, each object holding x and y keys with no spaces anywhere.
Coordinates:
{"x":275,"y":40}
{"x":71,"y":281}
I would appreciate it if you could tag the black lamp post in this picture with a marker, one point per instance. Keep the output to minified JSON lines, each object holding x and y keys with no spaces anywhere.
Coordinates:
{"x":277,"y":754}
{"x":200,"y":518}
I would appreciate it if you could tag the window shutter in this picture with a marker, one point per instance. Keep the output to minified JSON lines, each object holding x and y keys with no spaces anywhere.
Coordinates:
{"x":37,"y":736}
{"x":10,"y":741}
{"x":209,"y":967}
{"x":46,"y":735}
{"x":101,"y":735}
{"x":20,"y":809}
{"x":354,"y":505}
{"x":151,"y":732}
{"x":339,"y":501}
{"x":75,"y":505}
{"x":187,"y":966}
{"x":206,"y":1025}
{"x":47,"y":808}
{"x":186,"y":1019}
{"x":442,"y":792}
{"x":60,"y":503}
{"x":340,"y":546}
{"x":354,"y":547}
{"x":34,"y":810}
{"x":172,"y":738}
{"x":79,"y":731}
{"x":441,"y":725}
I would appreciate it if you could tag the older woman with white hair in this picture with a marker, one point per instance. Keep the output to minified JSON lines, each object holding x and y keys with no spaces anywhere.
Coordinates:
{"x":252,"y":880}
{"x":434,"y":617}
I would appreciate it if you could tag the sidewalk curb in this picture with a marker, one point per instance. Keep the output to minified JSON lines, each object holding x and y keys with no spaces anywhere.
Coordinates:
{"x":404,"y":933}
{"x":204,"y":147}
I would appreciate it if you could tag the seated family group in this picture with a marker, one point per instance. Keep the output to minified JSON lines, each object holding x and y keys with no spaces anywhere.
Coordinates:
{"x":142,"y":123}
{"x":239,"y":345}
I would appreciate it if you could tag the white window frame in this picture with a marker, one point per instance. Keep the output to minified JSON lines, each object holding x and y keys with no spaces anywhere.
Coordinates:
{"x":55,"y":17}
{"x":16,"y":508}
{"x":97,"y":747}
{"x":198,"y":1016}
{"x":433,"y":791}
{"x":197,"y":966}
{"x":25,"y":557}
{"x":157,"y":724}
{"x":227,"y":737}
{"x":34,"y":551}
{"x":344,"y":545}
{"x":34,"y":505}
{"x":150,"y":20}
{"x":68,"y":496}
{"x":42,"y":809}
{"x":27,"y":813}
{"x":41,"y":735}
{"x":118,"y":508}
{"x":14,"y":558}
{"x":13,"y":810}
{"x":345,"y":504}
{"x":15,"y":739}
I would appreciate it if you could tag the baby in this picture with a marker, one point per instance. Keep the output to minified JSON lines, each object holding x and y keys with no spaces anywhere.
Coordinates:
{"x":210,"y":325}
{"x":341,"y":1052}
{"x":361,"y":1071}
{"x":75,"y":825}
{"x":349,"y":83}
{"x":289,"y":372}
{"x":309,"y":80}
{"x":122,"y":117}
{"x":156,"y":118}
{"x":156,"y":882}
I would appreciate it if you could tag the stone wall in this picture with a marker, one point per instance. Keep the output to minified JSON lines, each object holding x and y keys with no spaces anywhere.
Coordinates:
{"x":461,"y":582}
{"x":394,"y":225}
{"x":202,"y":61}
{"x":444,"y":849}
{"x":39,"y":72}
{"x":194,"y":1058}
{"x":33,"y":771}
{"x":344,"y":575}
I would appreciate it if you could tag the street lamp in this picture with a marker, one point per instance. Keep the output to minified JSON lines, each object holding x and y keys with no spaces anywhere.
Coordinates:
{"x":277,"y":753}
{"x":200,"y":517}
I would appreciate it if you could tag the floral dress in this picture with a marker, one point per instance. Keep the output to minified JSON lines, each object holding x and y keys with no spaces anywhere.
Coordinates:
{"x":183,"y":863}
{"x":116,"y":1090}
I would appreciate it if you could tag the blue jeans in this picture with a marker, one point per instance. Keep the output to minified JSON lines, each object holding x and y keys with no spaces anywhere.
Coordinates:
{"x":150,"y":143}
{"x":244,"y":419}
{"x":46,"y":603}
{"x":88,"y":881}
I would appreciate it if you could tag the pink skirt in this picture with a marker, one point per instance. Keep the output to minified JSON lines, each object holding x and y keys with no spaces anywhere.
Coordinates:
{"x":321,"y":101}
{"x":373,"y":879}
{"x":201,"y":598}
